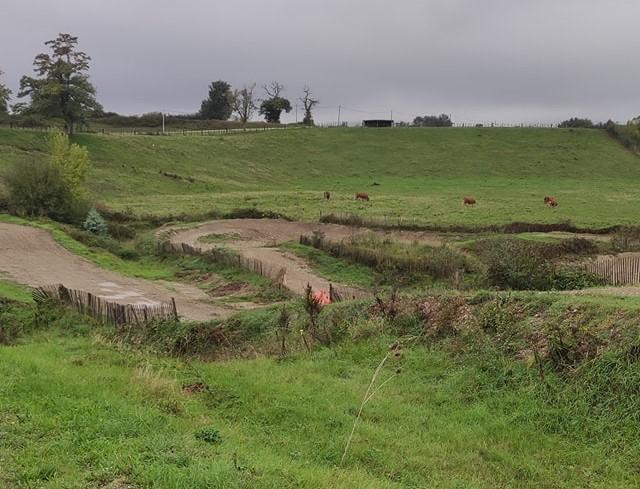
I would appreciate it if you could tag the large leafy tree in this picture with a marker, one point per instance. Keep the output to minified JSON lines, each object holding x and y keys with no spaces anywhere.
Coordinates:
{"x":5,"y":94}
{"x":62,"y":87}
{"x":219,"y":102}
{"x":271,"y":108}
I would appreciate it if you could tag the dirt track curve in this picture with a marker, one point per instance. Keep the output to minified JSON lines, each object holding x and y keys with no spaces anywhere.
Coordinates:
{"x":256,"y":238}
{"x":31,"y":257}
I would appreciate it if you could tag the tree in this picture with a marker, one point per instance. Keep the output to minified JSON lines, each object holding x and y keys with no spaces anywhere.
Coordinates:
{"x":442,"y":120}
{"x":577,"y":122}
{"x":5,"y":94}
{"x":244,"y":103}
{"x":61,"y":88}
{"x":219,"y":103}
{"x":272,"y":107}
{"x":71,"y":159}
{"x":308,"y":102}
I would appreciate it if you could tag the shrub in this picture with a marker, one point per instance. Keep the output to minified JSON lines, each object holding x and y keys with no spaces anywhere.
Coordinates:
{"x":94,"y":223}
{"x":71,"y":159}
{"x":39,"y":189}
{"x":626,"y":238}
{"x":570,"y":278}
{"x":398,"y":259}
{"x":516,"y":264}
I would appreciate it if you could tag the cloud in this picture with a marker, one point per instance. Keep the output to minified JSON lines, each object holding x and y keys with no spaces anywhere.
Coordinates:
{"x":502,"y":60}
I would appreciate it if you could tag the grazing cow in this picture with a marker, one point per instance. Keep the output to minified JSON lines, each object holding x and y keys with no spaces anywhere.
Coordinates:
{"x":327,"y":195}
{"x":469,"y":201}
{"x":552,"y":202}
{"x":362,"y":196}
{"x":547,"y":199}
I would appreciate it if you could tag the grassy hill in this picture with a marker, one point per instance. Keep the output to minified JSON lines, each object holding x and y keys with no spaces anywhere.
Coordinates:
{"x":416,"y":174}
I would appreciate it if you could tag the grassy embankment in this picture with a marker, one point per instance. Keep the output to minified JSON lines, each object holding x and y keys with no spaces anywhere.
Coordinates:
{"x":419,"y":175}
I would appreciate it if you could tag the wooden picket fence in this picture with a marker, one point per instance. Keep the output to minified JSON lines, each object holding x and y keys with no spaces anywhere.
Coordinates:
{"x":104,"y":310}
{"x":622,"y":269}
{"x":228,"y":258}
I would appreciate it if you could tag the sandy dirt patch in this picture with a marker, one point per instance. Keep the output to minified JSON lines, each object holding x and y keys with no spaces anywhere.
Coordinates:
{"x":31,"y":257}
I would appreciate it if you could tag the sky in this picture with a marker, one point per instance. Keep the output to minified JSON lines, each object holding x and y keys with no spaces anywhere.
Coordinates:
{"x":504,"y":61}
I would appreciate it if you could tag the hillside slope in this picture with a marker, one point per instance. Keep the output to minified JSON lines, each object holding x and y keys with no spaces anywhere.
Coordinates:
{"x":419,"y":174}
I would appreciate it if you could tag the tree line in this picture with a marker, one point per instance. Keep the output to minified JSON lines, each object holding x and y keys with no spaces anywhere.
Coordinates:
{"x":61,"y":89}
{"x":222,"y":102}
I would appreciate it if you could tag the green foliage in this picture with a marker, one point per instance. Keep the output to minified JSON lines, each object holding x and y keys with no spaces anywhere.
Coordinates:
{"x":271,"y":108}
{"x":626,"y":238}
{"x":38,"y":189}
{"x":442,"y":120}
{"x":628,"y":135}
{"x":396,"y":260}
{"x":72,"y":159}
{"x":577,"y":122}
{"x":61,"y":88}
{"x":219,"y":103}
{"x":209,"y":435}
{"x":95,"y":223}
{"x":5,"y":95}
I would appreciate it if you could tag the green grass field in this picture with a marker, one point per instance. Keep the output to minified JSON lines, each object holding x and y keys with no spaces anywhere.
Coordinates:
{"x":85,"y":406}
{"x":421,"y":174}
{"x":78,"y":411}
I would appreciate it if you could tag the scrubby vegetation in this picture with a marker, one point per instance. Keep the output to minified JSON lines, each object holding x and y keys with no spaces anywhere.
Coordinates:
{"x":395,"y":260}
{"x":492,"y":391}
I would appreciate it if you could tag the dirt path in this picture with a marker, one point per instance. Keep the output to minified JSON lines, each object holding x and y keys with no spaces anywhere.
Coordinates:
{"x":31,"y":257}
{"x":256,"y":238}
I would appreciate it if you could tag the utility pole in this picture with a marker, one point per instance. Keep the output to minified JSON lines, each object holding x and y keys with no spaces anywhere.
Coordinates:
{"x":296,"y":113}
{"x":392,"y":115}
{"x":163,"y":123}
{"x":339,"y":115}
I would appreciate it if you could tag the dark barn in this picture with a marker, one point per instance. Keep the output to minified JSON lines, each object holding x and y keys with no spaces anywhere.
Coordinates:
{"x":377,"y":123}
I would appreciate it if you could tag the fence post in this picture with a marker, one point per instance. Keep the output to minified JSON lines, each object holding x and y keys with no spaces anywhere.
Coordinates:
{"x":175,"y":309}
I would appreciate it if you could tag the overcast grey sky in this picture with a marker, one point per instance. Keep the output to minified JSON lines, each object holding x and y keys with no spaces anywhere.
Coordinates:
{"x":478,"y":60}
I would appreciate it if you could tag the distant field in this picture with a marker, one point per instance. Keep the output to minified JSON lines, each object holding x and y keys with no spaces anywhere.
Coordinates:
{"x":415,"y":174}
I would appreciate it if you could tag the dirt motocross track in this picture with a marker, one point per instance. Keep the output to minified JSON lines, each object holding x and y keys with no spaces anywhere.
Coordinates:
{"x":257,"y":238}
{"x":31,"y":257}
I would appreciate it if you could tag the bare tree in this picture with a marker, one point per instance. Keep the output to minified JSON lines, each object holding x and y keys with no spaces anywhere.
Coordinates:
{"x":244,"y":102}
{"x":273,"y":89}
{"x":308,"y":102}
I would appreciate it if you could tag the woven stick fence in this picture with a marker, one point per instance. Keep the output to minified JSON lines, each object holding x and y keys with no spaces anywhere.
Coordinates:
{"x":623,"y":269}
{"x":228,"y":258}
{"x":104,"y":310}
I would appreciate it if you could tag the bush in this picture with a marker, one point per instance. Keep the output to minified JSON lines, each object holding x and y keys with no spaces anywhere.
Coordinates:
{"x":516,"y":264}
{"x":577,"y":122}
{"x":94,"y":223}
{"x":38,"y":189}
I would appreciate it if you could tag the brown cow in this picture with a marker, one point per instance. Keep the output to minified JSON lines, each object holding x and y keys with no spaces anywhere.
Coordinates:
{"x":327,"y":195}
{"x":469,"y":201}
{"x":362,"y":196}
{"x":552,"y":202}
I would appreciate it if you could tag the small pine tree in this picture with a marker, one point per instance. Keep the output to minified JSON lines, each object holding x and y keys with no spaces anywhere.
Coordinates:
{"x":95,"y":223}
